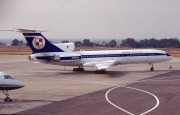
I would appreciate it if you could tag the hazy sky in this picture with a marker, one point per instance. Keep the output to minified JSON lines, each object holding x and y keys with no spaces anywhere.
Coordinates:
{"x":92,"y":18}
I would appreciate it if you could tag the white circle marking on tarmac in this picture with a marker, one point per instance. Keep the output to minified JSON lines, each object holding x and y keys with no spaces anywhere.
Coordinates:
{"x":157,"y":100}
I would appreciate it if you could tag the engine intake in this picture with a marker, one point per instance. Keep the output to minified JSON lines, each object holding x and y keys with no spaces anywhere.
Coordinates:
{"x":32,"y":58}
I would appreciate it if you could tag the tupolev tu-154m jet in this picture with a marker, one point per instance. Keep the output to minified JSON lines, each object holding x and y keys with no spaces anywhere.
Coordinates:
{"x":45,"y":52}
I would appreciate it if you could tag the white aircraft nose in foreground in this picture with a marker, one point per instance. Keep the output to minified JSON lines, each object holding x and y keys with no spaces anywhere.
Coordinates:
{"x":9,"y":83}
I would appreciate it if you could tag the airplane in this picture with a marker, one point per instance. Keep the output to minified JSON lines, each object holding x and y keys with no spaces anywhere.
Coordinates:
{"x":44,"y":51}
{"x":9,"y":83}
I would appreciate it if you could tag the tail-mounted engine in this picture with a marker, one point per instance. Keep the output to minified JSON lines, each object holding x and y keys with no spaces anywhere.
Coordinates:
{"x":32,"y":58}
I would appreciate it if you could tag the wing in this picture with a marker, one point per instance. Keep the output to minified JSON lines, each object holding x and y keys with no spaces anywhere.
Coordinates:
{"x":103,"y":64}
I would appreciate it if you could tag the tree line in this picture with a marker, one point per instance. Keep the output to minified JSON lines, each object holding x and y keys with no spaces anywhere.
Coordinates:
{"x":132,"y":43}
{"x":129,"y":42}
{"x":16,"y":42}
{"x":88,"y":43}
{"x":151,"y":43}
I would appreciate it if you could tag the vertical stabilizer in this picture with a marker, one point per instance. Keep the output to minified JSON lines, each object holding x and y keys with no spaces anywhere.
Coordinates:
{"x":37,"y":42}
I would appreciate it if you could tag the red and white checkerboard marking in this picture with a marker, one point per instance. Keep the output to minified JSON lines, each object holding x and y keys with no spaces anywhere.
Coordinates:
{"x":39,"y":41}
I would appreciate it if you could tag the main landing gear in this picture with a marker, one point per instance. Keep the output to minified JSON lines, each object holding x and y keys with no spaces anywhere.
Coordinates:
{"x":102,"y":71}
{"x":7,"y":96}
{"x":78,"y":69}
{"x":152,"y":68}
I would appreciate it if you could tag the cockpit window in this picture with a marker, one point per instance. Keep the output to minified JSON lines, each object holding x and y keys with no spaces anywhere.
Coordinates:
{"x":7,"y":77}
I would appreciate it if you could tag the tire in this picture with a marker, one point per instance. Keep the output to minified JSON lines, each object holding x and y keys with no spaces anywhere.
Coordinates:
{"x":152,"y":69}
{"x":97,"y":72}
{"x":8,"y":99}
{"x":82,"y":69}
{"x":100,"y":71}
{"x":103,"y":71}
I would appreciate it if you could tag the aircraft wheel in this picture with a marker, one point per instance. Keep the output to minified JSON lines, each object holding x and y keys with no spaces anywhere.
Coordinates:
{"x":82,"y":69}
{"x":8,"y":99}
{"x":96,"y":72}
{"x":103,"y":71}
{"x":152,"y":69}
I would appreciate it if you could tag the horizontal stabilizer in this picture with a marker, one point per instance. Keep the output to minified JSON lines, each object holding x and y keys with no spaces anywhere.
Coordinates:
{"x":37,"y":42}
{"x":27,"y":30}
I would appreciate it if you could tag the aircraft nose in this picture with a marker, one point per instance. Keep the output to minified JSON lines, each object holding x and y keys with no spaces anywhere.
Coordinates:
{"x":21,"y":84}
{"x":169,"y":57}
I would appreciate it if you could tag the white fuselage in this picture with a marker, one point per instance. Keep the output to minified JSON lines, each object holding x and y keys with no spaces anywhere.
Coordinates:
{"x":121,"y":56}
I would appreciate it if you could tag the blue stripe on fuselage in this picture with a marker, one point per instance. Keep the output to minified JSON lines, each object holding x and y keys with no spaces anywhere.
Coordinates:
{"x":122,"y":55}
{"x":104,"y":55}
{"x":61,"y":58}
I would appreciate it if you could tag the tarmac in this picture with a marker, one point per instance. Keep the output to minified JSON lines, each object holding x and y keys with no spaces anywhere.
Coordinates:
{"x":125,"y":89}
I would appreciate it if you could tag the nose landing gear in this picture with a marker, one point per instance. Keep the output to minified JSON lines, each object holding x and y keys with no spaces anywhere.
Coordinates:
{"x":152,"y":68}
{"x":7,"y":96}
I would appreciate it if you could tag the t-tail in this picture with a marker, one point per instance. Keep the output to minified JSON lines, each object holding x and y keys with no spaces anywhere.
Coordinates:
{"x":37,"y":42}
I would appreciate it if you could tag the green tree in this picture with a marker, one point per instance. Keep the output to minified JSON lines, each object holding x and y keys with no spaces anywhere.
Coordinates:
{"x":15,"y":42}
{"x":87,"y":42}
{"x":113,"y":43}
{"x":130,"y":42}
{"x":77,"y":43}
